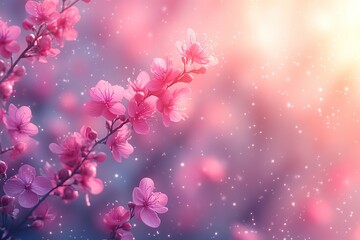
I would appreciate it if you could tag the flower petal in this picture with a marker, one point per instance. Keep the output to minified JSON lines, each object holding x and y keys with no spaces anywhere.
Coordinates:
{"x":26,"y":173}
{"x":30,"y":129}
{"x":150,"y":218}
{"x":117,"y":109}
{"x":141,"y":127}
{"x":138,"y":196}
{"x":13,"y":187}
{"x":147,"y":186}
{"x":28,"y":199}
{"x":94,"y":108}
{"x":41,"y":185}
{"x":96,"y":185}
{"x":55,"y":148}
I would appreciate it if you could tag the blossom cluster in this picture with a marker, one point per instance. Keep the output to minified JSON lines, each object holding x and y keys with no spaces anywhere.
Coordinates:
{"x":162,"y":90}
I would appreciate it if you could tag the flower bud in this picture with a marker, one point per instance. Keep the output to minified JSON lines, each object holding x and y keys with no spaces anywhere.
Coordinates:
{"x":70,"y":193}
{"x":3,"y":169}
{"x":186,"y":78}
{"x":131,"y":205}
{"x":100,"y":157}
{"x":7,"y":204}
{"x":89,"y":170}
{"x":126,"y":226}
{"x":108,"y":125}
{"x":38,"y":224}
{"x":91,"y":134}
{"x":122,"y":118}
{"x":20,"y":147}
{"x":30,"y":38}
{"x":6,"y":89}
{"x":27,"y":25}
{"x":19,"y":71}
{"x":63,"y":174}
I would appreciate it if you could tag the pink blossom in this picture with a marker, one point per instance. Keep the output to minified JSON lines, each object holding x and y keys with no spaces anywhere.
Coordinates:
{"x":63,"y":28}
{"x":40,"y":12}
{"x":138,"y":89}
{"x":148,"y":203}
{"x":42,"y":49}
{"x":163,"y":75}
{"x":140,"y":113}
{"x":8,"y":36}
{"x":27,"y":187}
{"x":69,"y":151}
{"x":17,"y":122}
{"x":40,"y":215}
{"x":86,"y":137}
{"x":119,"y":145}
{"x":120,"y":234}
{"x":194,"y":51}
{"x":170,"y":104}
{"x":87,"y":181}
{"x":116,"y":217}
{"x":105,"y":100}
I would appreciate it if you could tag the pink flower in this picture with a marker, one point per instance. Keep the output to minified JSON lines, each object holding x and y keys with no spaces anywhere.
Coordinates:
{"x":140,"y":113}
{"x":193,"y":51}
{"x":148,"y":203}
{"x":138,"y":89}
{"x":105,"y":100}
{"x":8,"y":36}
{"x":26,"y":187}
{"x":116,"y":217}
{"x":123,"y":235}
{"x":86,"y":137}
{"x":18,"y":124}
{"x":170,"y":104}
{"x":44,"y":12}
{"x":63,"y":28}
{"x":69,"y":151}
{"x":119,"y":145}
{"x":163,"y":75}
{"x":42,"y":49}
{"x":40,"y":215}
{"x":87,"y":181}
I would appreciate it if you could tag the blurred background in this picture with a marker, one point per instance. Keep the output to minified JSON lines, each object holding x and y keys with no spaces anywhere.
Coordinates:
{"x":271,"y":146}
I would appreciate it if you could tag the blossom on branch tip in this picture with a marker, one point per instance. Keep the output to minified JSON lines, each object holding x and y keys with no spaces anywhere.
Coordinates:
{"x":26,"y":187}
{"x":105,"y":100}
{"x":194,"y":51}
{"x":17,"y":122}
{"x":63,"y":28}
{"x":138,"y":89}
{"x":163,"y":75}
{"x":8,"y":36}
{"x":40,"y":12}
{"x":149,"y":203}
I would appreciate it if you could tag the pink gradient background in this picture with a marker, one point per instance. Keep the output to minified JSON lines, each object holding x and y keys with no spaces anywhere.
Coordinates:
{"x":271,"y":146}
